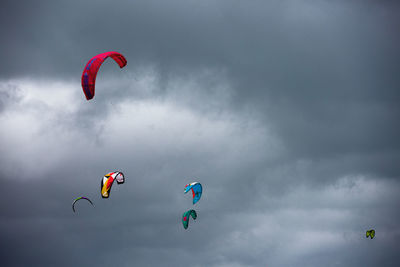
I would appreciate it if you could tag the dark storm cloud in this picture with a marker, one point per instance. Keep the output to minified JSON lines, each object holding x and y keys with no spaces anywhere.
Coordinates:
{"x":287,"y":112}
{"x":324,"y":73}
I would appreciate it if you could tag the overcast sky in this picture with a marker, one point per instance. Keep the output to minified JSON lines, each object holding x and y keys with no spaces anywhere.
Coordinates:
{"x":287,"y":112}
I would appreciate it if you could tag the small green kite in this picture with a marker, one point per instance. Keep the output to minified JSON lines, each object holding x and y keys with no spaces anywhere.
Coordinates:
{"x":370,"y":233}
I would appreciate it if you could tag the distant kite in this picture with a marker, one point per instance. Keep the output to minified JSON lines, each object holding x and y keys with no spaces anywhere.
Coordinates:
{"x":197,"y":190}
{"x":108,"y":181}
{"x":370,"y":233}
{"x":92,"y":67}
{"x":186,"y":216}
{"x":79,"y":198}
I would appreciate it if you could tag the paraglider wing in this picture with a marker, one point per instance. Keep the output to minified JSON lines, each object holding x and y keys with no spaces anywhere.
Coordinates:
{"x":79,"y":198}
{"x":92,"y":67}
{"x":185,"y":217}
{"x":108,"y":181}
{"x":197,"y":190}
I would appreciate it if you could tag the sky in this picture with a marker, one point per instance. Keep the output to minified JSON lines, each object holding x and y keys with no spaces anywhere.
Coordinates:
{"x":287,"y":112}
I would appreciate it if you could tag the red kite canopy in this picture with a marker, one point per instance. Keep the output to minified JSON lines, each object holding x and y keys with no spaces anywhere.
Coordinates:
{"x":92,"y":67}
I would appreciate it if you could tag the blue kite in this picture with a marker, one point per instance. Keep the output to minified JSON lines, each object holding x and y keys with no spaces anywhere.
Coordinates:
{"x":196,"y":188}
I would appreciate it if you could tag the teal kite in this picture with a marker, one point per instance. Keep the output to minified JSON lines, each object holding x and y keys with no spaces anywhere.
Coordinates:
{"x":186,"y":216}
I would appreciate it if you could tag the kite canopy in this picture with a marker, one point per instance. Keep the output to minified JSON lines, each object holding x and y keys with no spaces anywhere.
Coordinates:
{"x":370,"y":233}
{"x":108,"y":181}
{"x":79,"y":198}
{"x":92,"y":67}
{"x":196,"y":188}
{"x":186,"y":216}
